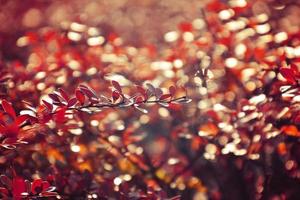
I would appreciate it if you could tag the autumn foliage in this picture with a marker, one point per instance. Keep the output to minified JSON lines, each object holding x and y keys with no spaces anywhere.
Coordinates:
{"x":211,"y":112}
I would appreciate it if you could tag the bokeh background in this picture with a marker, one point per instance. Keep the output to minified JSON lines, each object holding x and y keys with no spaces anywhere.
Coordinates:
{"x":137,"y":21}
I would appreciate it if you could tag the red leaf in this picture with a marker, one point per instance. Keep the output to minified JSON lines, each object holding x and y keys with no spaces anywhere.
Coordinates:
{"x":12,"y":130}
{"x":142,"y":91}
{"x":4,"y":192}
{"x":175,"y":106}
{"x":288,"y":74}
{"x":115,"y":95}
{"x":37,"y":186}
{"x":22,"y":118}
{"x":172,"y":90}
{"x":72,"y":102}
{"x":87,"y":91}
{"x":64,"y":94}
{"x":18,"y":187}
{"x":158,"y":93}
{"x":294,"y":67}
{"x":5,"y":181}
{"x":80,"y":96}
{"x":116,"y":86}
{"x":54,"y":97}
{"x":8,"y":108}
{"x":45,"y":185}
{"x":48,"y":105}
{"x":139,"y":100}
{"x":215,"y":6}
{"x":186,"y":27}
{"x":165,"y":96}
{"x":60,"y":115}
{"x":151,"y":89}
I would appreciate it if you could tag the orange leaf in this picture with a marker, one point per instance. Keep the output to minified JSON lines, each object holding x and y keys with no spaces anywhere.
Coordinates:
{"x":209,"y":129}
{"x":281,"y":148}
{"x":54,"y":155}
{"x":291,"y":130}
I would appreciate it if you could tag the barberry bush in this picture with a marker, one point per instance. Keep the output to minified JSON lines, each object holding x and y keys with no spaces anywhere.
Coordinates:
{"x":208,"y":111}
